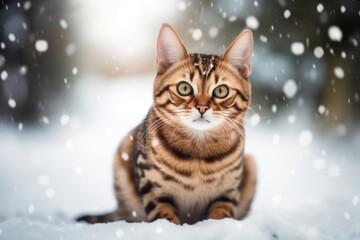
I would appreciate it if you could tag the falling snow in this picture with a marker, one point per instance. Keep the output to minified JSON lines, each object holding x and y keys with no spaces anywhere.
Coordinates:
{"x":263,"y":38}
{"x":335,"y":33}
{"x":319,"y":52}
{"x":4,"y":75}
{"x":319,"y":163}
{"x":321,"y":109}
{"x":23,"y":70}
{"x":291,"y":119}
{"x":297,"y":48}
{"x":125,"y":156}
{"x":181,"y":6}
{"x":74,"y":71}
{"x":252,"y":22}
{"x":355,"y":200}
{"x":305,"y":138}
{"x":232,"y":18}
{"x":320,"y":7}
{"x":119,"y":233}
{"x":50,"y":193}
{"x":290,"y":88}
{"x":196,"y":34}
{"x":70,"y":49}
{"x":12,"y":37}
{"x":213,"y":32}
{"x":12,"y":103}
{"x":254,"y":119}
{"x":63,"y":23}
{"x":339,"y":72}
{"x":287,"y":13}
{"x":27,"y":5}
{"x":41,"y":45}
{"x":65,"y":119}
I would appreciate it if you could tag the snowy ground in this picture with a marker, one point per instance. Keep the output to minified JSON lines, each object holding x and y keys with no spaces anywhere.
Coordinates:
{"x":308,"y":182}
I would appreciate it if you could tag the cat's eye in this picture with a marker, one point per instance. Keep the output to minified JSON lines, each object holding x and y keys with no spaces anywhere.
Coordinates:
{"x":221,"y":91}
{"x":184,"y":89}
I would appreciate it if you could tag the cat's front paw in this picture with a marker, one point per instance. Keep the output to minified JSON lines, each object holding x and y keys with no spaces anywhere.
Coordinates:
{"x":220,"y":211}
{"x":168,"y":216}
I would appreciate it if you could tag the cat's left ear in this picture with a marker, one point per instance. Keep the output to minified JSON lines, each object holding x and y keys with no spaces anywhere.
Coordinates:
{"x":239,"y":53}
{"x":170,"y":48}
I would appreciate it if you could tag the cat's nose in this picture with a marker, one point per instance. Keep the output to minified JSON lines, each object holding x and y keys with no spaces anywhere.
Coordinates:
{"x":202,"y":108}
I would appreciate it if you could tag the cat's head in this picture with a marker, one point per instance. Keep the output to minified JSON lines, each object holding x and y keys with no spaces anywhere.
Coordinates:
{"x":202,"y":92}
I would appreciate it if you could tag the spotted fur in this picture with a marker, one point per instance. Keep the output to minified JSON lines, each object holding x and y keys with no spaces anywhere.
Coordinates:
{"x":185,"y":162}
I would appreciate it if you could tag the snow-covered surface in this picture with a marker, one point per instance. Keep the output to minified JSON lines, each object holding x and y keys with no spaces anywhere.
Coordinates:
{"x":308,"y":181}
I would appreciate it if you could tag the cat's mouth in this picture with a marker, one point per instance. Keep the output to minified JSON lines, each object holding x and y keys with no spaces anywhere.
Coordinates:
{"x":201,"y":120}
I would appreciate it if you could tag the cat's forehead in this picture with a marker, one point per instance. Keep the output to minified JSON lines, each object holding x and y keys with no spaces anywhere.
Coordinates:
{"x":204,"y":63}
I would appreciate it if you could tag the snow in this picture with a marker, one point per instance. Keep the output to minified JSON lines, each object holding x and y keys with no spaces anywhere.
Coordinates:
{"x":27,"y":5}
{"x":305,"y":137}
{"x":41,"y":45}
{"x":65,"y":119}
{"x":213,"y":32}
{"x":4,"y":75}
{"x":252,"y":22}
{"x":74,"y":71}
{"x":335,"y":33}
{"x":23,"y":70}
{"x":254,"y":119}
{"x":232,"y":18}
{"x":287,"y":13}
{"x":124,"y":156}
{"x":12,"y":37}
{"x":321,"y":109}
{"x":355,"y":200}
{"x":297,"y":48}
{"x":290,"y":88}
{"x":339,"y":72}
{"x":263,"y":38}
{"x":196,"y":34}
{"x":63,"y":23}
{"x":305,"y":191}
{"x":70,"y":49}
{"x":181,"y":6}
{"x":320,"y":7}
{"x":12,"y":103}
{"x":342,"y":9}
{"x":318,"y":52}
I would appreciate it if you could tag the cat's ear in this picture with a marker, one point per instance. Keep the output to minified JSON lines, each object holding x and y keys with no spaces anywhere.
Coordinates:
{"x":239,"y":53}
{"x":170,"y":48}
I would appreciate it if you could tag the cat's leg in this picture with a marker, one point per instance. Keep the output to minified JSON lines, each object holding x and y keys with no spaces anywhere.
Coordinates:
{"x":236,"y":203}
{"x":224,"y":206}
{"x":158,"y":205}
{"x":247,"y":188}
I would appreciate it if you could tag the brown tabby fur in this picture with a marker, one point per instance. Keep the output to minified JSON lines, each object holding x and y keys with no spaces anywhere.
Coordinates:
{"x":166,"y":169}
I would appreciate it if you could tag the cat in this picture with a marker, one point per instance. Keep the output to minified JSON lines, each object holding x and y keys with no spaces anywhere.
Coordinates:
{"x":185,"y":162}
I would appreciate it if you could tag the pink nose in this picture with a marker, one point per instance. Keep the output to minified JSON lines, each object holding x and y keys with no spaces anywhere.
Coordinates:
{"x":202,"y":108}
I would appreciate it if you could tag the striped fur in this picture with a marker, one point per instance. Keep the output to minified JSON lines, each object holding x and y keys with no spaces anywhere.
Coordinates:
{"x":185,"y":162}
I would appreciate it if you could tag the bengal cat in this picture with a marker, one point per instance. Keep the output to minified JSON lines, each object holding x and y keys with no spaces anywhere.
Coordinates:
{"x":185,"y":162}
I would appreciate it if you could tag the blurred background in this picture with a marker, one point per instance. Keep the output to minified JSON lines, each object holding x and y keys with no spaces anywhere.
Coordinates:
{"x":76,"y":75}
{"x":48,"y":45}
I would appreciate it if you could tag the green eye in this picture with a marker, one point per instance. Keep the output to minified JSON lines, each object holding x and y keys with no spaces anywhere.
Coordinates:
{"x":184,"y":89}
{"x":221,"y":91}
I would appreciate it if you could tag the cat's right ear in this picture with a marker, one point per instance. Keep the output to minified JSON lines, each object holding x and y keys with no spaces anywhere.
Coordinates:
{"x":170,"y":48}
